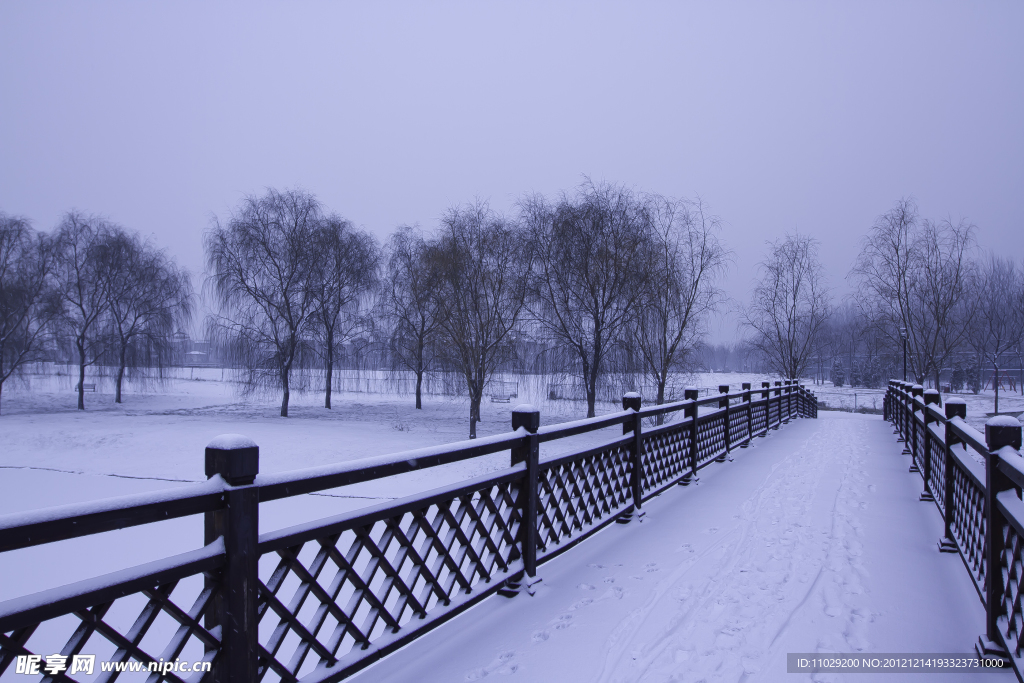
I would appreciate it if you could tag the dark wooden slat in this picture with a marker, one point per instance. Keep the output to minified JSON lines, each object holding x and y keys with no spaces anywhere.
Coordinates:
{"x":48,"y":526}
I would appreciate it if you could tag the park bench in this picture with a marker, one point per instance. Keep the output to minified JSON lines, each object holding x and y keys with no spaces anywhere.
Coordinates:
{"x":87,"y":386}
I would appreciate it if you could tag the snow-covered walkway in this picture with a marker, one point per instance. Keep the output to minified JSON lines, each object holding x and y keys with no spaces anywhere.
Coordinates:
{"x":811,"y":541}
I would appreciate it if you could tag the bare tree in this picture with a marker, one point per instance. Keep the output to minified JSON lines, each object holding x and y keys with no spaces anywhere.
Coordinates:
{"x":593,"y":252}
{"x":147,"y":298}
{"x":998,"y":323}
{"x":83,"y":283}
{"x":259,"y":265}
{"x":790,"y":304}
{"x":344,"y":269}
{"x":687,"y":259}
{"x":410,"y":303}
{"x":483,"y":267}
{"x":26,"y":304}
{"x":916,"y":275}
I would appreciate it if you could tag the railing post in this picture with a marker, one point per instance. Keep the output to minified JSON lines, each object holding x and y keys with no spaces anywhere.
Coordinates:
{"x":690,"y":411}
{"x":899,"y":407}
{"x":750,"y":415}
{"x":955,"y":407}
{"x":766,"y":394}
{"x":912,"y":439}
{"x":634,"y":426}
{"x":778,"y":396}
{"x":527,"y":417}
{"x":931,"y":396}
{"x":789,"y":400}
{"x":723,"y":402}
{"x":997,"y":436}
{"x":236,"y":459}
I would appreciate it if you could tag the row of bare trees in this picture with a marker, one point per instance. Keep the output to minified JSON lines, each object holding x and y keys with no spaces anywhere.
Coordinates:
{"x":589,"y":275}
{"x":917,"y":280}
{"x":92,"y":289}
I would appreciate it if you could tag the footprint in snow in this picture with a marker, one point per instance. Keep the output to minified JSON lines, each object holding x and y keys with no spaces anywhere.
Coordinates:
{"x":564,"y":622}
{"x":540,"y":636}
{"x":651,"y":567}
{"x":586,"y":586}
{"x":582,"y":603}
{"x":618,"y":592}
{"x":609,"y":579}
{"x":596,"y":566}
{"x":711,"y":530}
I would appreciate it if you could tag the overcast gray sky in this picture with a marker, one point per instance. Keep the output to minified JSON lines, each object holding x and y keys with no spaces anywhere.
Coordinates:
{"x":814,"y":116}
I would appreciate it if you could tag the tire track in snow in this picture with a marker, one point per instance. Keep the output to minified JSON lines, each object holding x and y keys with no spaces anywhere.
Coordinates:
{"x":732,"y":605}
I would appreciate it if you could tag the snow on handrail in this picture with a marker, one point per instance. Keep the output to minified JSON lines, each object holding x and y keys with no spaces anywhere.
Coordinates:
{"x":308,"y":480}
{"x":34,"y":527}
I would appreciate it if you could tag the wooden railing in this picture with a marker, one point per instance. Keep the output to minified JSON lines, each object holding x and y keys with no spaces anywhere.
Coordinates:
{"x":324,"y":599}
{"x":979,"y":503}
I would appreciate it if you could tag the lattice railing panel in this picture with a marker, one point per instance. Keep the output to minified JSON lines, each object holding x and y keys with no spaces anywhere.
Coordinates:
{"x":968,"y":522}
{"x":773,"y":413}
{"x":917,"y":445}
{"x":163,"y":622}
{"x":323,"y":598}
{"x":575,"y":495}
{"x":1012,"y":567}
{"x":738,"y":424}
{"x":665,"y":456}
{"x":760,"y":419}
{"x":937,"y":477}
{"x":710,"y":439}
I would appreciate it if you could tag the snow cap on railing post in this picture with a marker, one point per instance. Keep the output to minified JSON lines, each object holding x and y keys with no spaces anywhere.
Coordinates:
{"x":746,"y":388}
{"x":778,"y":392}
{"x":236,"y":458}
{"x":917,"y":390}
{"x":690,"y":394}
{"x":630,"y":400}
{"x":765,"y":385}
{"x":1002,"y":430}
{"x":956,"y":407}
{"x":527,"y":417}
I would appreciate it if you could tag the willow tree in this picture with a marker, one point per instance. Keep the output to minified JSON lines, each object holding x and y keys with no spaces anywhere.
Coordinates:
{"x":482,"y":263}
{"x":687,"y":259}
{"x":259,"y":265}
{"x":592,"y":260}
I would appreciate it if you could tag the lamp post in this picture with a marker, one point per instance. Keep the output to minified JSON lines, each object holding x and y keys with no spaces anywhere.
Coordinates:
{"x":903,"y":336}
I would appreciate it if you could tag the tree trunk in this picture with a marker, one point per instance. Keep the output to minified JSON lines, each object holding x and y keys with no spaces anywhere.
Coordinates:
{"x":120,"y":375}
{"x":1,"y":388}
{"x":661,"y":395}
{"x":80,"y":343}
{"x":419,"y":375}
{"x":995,"y":382}
{"x":330,"y":367}
{"x":475,"y":395}
{"x":284,"y":386}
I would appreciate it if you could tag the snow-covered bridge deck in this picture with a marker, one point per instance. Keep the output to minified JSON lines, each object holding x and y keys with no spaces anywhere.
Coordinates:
{"x":811,"y":541}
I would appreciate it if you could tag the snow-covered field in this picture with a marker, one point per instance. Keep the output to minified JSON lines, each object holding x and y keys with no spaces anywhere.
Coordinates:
{"x":790,"y":548}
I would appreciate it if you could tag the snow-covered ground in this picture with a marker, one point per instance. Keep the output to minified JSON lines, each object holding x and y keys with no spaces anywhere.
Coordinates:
{"x":813,"y":541}
{"x":792,"y":547}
